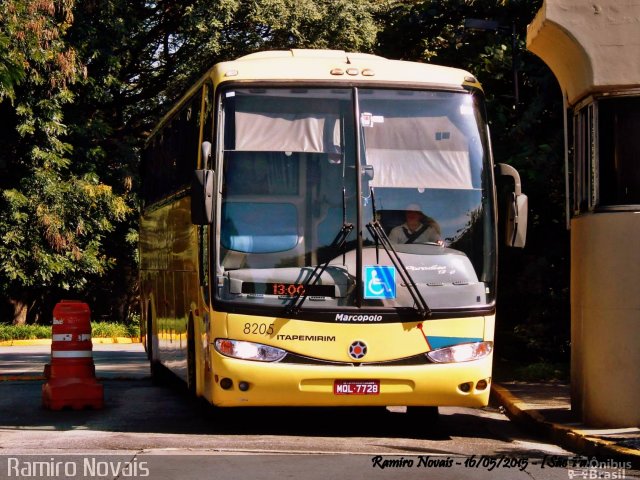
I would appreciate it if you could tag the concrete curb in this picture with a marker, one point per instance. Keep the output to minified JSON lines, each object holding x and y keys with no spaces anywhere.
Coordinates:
{"x":115,"y":340}
{"x":25,"y":343}
{"x":25,"y":377}
{"x":568,"y":437}
{"x":47,"y":341}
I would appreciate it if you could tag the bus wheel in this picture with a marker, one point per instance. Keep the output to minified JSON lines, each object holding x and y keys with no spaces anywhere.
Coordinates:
{"x":149,"y":335}
{"x":157,"y":374}
{"x":191,"y":359}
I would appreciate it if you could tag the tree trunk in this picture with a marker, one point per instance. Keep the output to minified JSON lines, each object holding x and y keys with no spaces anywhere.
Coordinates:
{"x":20,"y":310}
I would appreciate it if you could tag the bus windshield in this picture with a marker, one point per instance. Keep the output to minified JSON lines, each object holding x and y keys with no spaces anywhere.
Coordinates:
{"x":304,"y":170}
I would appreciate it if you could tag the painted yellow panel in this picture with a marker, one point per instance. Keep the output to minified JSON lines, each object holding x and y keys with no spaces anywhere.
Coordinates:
{"x":330,"y":341}
{"x":319,"y":65}
{"x":304,"y":385}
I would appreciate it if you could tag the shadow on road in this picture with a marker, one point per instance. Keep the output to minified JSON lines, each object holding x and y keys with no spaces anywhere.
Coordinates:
{"x":138,"y":406}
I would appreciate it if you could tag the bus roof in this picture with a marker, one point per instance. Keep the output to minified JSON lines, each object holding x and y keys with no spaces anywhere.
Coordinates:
{"x":337,"y":65}
{"x":318,"y":65}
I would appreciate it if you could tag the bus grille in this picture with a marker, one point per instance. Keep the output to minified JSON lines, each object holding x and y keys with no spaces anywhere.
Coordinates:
{"x":293,"y":358}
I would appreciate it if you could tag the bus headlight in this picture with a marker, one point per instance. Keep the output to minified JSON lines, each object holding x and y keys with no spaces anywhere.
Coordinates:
{"x":464,"y":352}
{"x":248,"y":350}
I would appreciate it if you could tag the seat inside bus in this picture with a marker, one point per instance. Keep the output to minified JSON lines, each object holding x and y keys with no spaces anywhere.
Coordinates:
{"x":255,"y":233}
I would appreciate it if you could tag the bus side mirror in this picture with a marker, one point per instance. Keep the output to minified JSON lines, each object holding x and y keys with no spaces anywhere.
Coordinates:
{"x":516,"y":227}
{"x":517,"y":209}
{"x":202,"y":189}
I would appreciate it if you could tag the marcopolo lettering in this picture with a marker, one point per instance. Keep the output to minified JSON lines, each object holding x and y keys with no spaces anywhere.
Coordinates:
{"x":344,"y":317}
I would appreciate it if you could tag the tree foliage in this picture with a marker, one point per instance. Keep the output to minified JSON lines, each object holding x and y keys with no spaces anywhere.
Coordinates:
{"x":53,"y":215}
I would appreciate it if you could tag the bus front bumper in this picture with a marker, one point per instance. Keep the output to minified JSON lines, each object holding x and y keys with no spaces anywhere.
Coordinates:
{"x":247,"y":383}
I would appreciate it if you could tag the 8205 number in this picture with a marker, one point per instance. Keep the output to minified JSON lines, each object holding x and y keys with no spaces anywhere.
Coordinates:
{"x":258,"y":329}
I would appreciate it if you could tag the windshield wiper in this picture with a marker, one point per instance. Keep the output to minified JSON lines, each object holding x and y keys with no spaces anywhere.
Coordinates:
{"x":293,"y":308}
{"x":375,"y":218}
{"x":378,"y":233}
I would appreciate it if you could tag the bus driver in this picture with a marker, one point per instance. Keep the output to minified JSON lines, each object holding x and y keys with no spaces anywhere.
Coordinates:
{"x":417,"y":228}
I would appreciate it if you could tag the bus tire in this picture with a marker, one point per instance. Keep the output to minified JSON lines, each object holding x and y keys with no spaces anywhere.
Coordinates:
{"x":149,"y":335}
{"x":191,"y":359}
{"x":158,"y":376}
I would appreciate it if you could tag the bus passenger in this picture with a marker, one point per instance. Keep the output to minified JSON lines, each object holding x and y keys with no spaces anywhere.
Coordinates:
{"x":417,"y":228}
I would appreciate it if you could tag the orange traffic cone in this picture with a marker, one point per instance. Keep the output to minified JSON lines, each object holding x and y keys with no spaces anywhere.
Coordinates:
{"x":71,"y":380}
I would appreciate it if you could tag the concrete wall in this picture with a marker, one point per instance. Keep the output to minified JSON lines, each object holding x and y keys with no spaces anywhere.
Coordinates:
{"x":593,"y":48}
{"x":605,"y":318}
{"x":589,"y":46}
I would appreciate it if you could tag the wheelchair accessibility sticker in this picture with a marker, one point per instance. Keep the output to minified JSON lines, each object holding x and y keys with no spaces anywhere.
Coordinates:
{"x":379,"y":282}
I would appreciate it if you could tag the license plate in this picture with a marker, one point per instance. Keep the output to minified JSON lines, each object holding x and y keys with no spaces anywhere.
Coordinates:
{"x":356,"y":387}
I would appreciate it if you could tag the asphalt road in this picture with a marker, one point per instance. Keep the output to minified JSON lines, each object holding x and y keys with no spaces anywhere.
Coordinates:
{"x":160,"y":432}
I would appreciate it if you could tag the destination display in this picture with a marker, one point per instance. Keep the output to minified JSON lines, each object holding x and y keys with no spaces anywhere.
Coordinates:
{"x":288,"y":289}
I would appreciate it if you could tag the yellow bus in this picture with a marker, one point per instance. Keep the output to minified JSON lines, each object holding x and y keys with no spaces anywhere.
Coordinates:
{"x":319,"y":228}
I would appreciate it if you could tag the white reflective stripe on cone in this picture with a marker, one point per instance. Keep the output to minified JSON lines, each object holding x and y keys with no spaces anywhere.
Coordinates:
{"x":62,"y":337}
{"x":71,"y":353}
{"x":84,"y":337}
